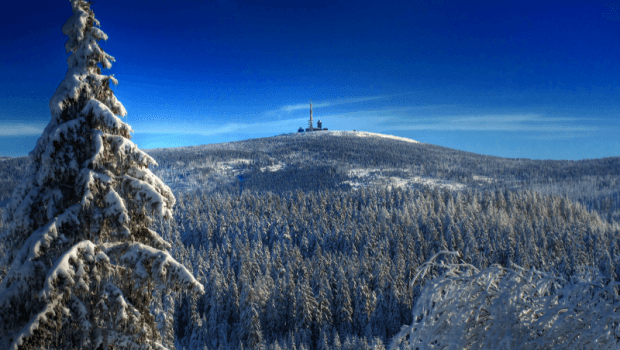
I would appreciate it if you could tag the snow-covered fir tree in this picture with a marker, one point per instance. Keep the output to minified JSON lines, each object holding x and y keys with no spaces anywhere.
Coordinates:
{"x":83,"y":262}
{"x":512,"y":308}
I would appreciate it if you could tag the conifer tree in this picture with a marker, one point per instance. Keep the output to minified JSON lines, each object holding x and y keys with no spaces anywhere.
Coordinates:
{"x":344,"y":313}
{"x":250,"y":332}
{"x":336,"y":343}
{"x":83,"y":260}
{"x":166,"y":321}
{"x":323,"y":342}
{"x":306,"y":306}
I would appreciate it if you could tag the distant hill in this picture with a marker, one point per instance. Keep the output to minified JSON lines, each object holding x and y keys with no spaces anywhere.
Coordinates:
{"x":342,"y":159}
{"x":349,"y":160}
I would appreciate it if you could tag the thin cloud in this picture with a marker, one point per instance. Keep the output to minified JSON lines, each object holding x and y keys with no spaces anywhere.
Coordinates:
{"x":512,"y":127}
{"x":20,"y":129}
{"x":391,"y":119}
{"x":511,"y":122}
{"x":388,"y":119}
{"x":290,"y":108}
{"x":280,"y":126}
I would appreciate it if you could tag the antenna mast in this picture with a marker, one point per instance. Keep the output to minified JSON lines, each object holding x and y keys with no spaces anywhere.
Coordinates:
{"x":310,"y":122}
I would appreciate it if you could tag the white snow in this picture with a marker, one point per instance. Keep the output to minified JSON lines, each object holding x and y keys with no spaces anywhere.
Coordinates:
{"x":273,"y":168}
{"x":64,"y":267}
{"x":484,"y":178}
{"x":97,"y":158}
{"x":53,"y":293}
{"x":372,"y":134}
{"x":230,"y":164}
{"x":354,"y":133}
{"x":157,"y":240}
{"x":429,"y":181}
{"x":374,"y":176}
{"x":155,"y":188}
{"x":86,"y":179}
{"x":154,"y":201}
{"x":105,"y":117}
{"x":163,"y":268}
{"x":115,"y":206}
{"x":74,"y":27}
{"x":124,"y":148}
{"x":512,"y":308}
{"x":52,"y":159}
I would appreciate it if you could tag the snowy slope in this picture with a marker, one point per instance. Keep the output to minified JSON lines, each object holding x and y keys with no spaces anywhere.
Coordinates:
{"x":354,"y":159}
{"x":348,"y":159}
{"x":203,"y":167}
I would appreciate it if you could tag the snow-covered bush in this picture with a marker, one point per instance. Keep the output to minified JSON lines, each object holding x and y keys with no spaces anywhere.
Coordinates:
{"x":512,"y":308}
{"x":82,"y":260}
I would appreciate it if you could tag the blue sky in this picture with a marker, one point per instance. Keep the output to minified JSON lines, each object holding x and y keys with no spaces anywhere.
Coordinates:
{"x":510,"y":78}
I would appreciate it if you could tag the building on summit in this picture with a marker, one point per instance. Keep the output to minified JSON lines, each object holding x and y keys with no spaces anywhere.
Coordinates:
{"x":311,"y":124}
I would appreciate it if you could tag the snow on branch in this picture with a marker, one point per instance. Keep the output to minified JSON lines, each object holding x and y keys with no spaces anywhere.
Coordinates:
{"x":87,"y":264}
{"x":124,"y":341}
{"x":70,"y":266}
{"x":24,"y":263}
{"x":83,"y":74}
{"x":424,"y":268}
{"x":513,"y":308}
{"x":68,"y":89}
{"x":115,"y":207}
{"x":147,"y":176}
{"x":124,"y":150}
{"x":75,"y":25}
{"x":150,"y":191}
{"x":87,"y":180}
{"x":98,"y":157}
{"x":58,"y":159}
{"x":105,"y":119}
{"x":148,"y":263}
{"x":65,"y":279}
{"x":157,"y":240}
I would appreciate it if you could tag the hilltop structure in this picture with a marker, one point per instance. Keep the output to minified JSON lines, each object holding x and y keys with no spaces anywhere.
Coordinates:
{"x":311,"y":124}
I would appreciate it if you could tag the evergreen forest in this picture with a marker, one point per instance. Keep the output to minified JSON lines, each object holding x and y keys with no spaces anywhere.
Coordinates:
{"x":311,"y":255}
{"x":331,"y":269}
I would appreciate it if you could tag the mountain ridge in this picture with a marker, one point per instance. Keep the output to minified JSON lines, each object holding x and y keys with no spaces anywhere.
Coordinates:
{"x":354,"y":159}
